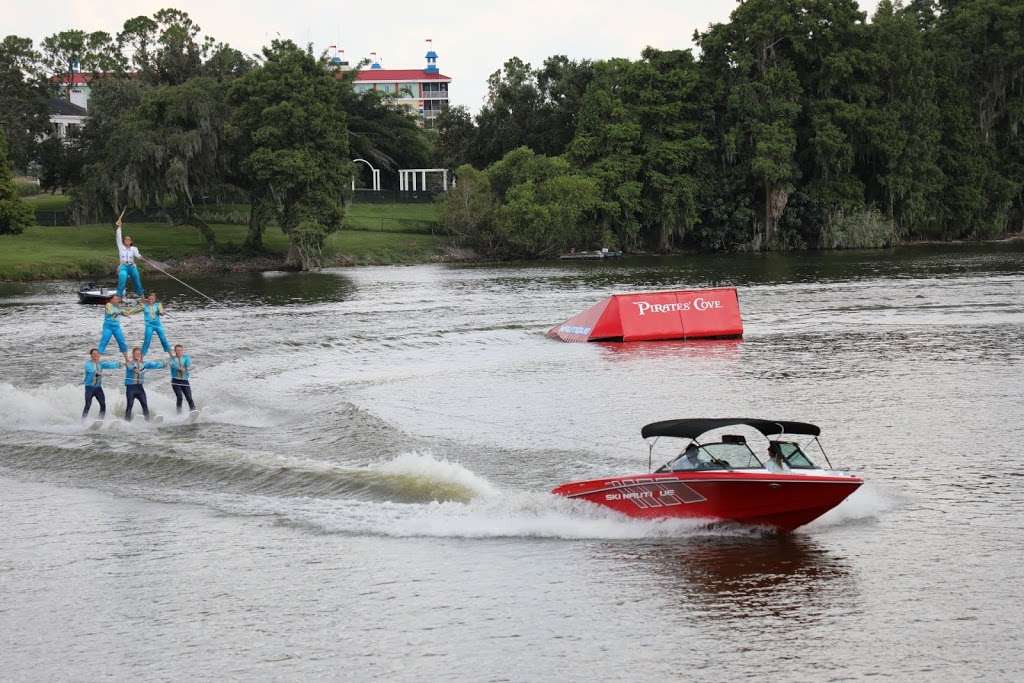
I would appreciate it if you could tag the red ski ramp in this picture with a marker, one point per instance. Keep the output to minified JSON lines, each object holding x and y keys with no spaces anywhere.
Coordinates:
{"x":680,"y":314}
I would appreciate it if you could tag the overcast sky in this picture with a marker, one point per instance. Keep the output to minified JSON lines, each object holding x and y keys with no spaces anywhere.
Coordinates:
{"x":472,"y":39}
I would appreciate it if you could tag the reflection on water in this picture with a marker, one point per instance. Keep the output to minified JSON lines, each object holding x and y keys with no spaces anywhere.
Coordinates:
{"x":750,"y":576}
{"x":695,"y":349}
{"x":273,"y":288}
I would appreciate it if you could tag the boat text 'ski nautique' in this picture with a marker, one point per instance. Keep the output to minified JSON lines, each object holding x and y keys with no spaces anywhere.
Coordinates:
{"x":723,"y":480}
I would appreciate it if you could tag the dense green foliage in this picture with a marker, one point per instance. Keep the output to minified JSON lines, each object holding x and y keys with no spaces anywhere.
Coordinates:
{"x":287,"y":130}
{"x":795,"y":124}
{"x":24,"y":94}
{"x":525,"y":205}
{"x":15,"y":214}
{"x":801,"y":124}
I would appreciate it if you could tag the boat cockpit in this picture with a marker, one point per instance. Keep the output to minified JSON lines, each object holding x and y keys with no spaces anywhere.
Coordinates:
{"x":734,"y":453}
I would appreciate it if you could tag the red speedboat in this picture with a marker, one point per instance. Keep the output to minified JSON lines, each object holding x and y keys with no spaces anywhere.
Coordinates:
{"x":724,"y":480}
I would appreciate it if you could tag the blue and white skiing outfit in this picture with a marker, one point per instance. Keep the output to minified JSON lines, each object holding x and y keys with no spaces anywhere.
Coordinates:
{"x":127,"y":268}
{"x":181,"y":370}
{"x":154,"y":325}
{"x":94,"y":384}
{"x":134,"y":377}
{"x":112,"y":327}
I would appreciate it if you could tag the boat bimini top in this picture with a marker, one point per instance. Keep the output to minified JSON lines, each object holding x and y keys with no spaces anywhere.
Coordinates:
{"x":694,"y":427}
{"x":732,"y":452}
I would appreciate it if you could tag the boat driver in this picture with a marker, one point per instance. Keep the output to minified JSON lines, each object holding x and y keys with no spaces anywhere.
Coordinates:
{"x":688,"y":459}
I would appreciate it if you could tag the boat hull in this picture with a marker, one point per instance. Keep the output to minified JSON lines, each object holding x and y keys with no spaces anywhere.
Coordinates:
{"x":95,"y":295}
{"x":782,"y":501}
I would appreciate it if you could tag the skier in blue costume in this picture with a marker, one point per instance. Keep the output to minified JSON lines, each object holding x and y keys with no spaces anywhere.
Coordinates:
{"x":93,"y":382}
{"x":127,"y":253}
{"x":134,"y":379}
{"x":181,"y":369}
{"x":153,"y":311}
{"x":112,"y":313}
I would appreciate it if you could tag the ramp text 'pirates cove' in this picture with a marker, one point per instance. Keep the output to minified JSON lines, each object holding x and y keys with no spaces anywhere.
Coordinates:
{"x":679,"y":314}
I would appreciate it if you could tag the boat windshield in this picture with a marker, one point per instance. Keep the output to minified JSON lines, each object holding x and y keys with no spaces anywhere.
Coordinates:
{"x":716,"y":456}
{"x":795,"y":457}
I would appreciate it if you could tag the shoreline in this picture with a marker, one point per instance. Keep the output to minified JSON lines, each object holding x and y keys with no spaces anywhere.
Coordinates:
{"x":87,"y":252}
{"x":205,"y":264}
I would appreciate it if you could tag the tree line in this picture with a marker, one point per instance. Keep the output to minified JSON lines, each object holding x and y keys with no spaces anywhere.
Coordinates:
{"x":799,"y":124}
{"x":795,"y":124}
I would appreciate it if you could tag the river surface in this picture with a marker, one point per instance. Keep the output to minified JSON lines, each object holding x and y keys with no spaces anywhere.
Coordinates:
{"x":364,"y":494}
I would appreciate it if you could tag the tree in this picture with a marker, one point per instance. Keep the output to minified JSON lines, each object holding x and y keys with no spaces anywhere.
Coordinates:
{"x":287,"y":130}
{"x":226,"y":63}
{"x":78,"y":51}
{"x":60,"y":163}
{"x":166,"y":49}
{"x":24,"y":92}
{"x":541,"y":207}
{"x":468,"y":210}
{"x":15,"y":215}
{"x":898,"y":149}
{"x":528,"y":107}
{"x":456,"y":136}
{"x":979,"y":51}
{"x":160,"y":146}
{"x":639,"y":136}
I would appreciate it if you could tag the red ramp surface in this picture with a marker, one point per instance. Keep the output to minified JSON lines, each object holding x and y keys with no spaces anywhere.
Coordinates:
{"x":679,"y":314}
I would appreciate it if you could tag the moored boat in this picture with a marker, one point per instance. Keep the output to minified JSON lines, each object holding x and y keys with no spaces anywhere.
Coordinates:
{"x":590,"y":255}
{"x":93,"y":294}
{"x":724,"y":480}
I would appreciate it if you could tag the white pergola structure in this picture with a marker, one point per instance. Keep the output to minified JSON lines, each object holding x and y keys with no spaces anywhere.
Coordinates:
{"x":374,"y":172}
{"x":407,"y":178}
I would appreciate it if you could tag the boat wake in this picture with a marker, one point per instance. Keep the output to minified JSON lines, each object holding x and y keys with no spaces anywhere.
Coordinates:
{"x":57,"y":410}
{"x":412,"y":494}
{"x":865,"y":504}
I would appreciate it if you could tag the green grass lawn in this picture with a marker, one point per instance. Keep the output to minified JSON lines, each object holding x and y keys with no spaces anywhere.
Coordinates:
{"x":89,"y":250}
{"x":392,"y":217}
{"x":47,"y":202}
{"x":382,"y":247}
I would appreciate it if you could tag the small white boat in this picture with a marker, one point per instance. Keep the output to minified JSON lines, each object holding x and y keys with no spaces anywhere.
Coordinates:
{"x":92,"y":294}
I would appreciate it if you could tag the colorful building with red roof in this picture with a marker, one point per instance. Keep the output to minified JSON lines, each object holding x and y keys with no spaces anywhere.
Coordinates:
{"x":75,"y":87}
{"x":422,"y":91}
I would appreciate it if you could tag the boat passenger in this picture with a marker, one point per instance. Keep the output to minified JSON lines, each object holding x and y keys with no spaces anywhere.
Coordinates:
{"x":776,"y":461}
{"x":127,"y":253}
{"x":181,"y":369}
{"x":93,"y":382}
{"x":134,"y":379}
{"x":153,"y":311}
{"x":112,"y":313}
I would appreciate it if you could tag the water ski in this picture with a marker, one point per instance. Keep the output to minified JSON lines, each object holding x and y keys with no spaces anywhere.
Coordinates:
{"x":193,"y":415}
{"x":155,"y":419}
{"x":95,"y":425}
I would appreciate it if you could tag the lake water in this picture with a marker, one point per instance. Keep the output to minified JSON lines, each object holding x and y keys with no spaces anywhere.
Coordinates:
{"x":364,"y":496}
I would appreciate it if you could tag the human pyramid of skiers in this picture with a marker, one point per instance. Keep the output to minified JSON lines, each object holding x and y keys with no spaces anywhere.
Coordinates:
{"x":135,"y":365}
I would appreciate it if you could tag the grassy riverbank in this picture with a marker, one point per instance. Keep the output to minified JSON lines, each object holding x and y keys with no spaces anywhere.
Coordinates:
{"x":88,"y":250}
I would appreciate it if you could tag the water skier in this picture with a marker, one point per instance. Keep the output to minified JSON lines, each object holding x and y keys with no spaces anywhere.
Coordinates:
{"x":127,"y":253}
{"x":153,"y":311}
{"x":112,"y":313}
{"x":93,"y":382}
{"x":181,"y":369}
{"x":134,"y":378}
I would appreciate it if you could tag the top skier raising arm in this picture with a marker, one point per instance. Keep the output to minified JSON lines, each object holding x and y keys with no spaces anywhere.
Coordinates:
{"x":127,"y":253}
